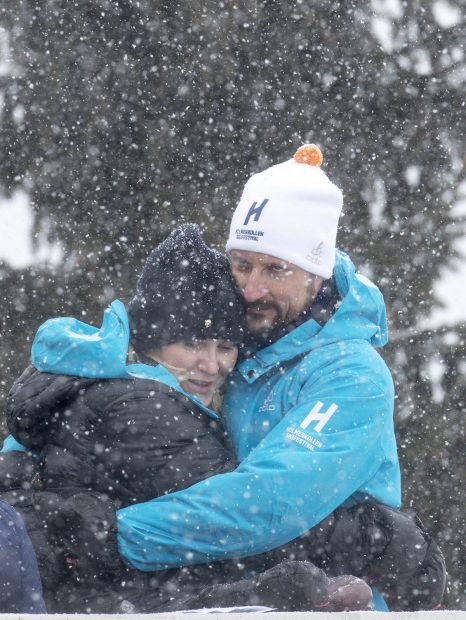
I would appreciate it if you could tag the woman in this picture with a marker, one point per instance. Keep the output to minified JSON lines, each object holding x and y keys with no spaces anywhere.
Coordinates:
{"x":163,"y":360}
{"x":129,"y":416}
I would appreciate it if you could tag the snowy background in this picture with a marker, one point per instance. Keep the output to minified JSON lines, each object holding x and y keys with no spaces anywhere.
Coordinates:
{"x":121,"y":119}
{"x":20,"y":248}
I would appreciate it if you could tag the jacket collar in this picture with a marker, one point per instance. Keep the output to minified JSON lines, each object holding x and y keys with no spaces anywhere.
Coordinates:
{"x":361,"y":315}
{"x":162,"y":375}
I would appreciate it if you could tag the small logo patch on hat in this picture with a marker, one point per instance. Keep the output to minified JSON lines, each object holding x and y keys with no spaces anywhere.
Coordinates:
{"x":315,"y":256}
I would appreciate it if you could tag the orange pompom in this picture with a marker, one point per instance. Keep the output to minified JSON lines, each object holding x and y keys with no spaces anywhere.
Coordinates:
{"x":309,"y":154}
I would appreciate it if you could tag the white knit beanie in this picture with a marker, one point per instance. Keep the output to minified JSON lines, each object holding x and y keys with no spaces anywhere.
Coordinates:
{"x":290,"y":211}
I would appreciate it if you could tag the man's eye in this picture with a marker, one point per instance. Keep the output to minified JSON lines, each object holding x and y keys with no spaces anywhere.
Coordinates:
{"x":280,"y":271}
{"x":241,"y":267}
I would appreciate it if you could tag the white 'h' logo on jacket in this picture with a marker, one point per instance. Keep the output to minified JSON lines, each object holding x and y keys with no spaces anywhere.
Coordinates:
{"x":322,"y":418}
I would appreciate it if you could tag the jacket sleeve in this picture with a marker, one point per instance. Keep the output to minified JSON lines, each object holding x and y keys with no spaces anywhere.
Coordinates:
{"x":304,"y":468}
{"x":18,"y":566}
{"x":31,"y":586}
{"x":11,"y":445}
{"x":33,"y":401}
{"x":17,"y":469}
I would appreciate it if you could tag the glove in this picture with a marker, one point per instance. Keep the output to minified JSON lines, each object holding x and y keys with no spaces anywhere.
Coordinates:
{"x":410,"y":572}
{"x":85,"y":523}
{"x":392,"y":551}
{"x":388,"y":548}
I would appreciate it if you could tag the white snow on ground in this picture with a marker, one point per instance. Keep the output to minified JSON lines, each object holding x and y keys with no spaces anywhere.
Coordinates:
{"x":16,"y":235}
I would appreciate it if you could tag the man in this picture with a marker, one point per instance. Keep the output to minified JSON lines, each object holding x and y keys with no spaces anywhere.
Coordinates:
{"x":310,"y":408}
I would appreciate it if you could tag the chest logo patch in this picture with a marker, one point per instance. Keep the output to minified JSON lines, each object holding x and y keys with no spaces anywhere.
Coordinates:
{"x":268,"y":404}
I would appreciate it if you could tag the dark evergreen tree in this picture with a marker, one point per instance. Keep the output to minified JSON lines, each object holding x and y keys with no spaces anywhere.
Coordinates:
{"x":430,"y":379}
{"x":122,"y":119}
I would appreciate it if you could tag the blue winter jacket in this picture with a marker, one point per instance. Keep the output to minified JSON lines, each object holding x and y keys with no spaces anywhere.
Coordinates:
{"x":311,"y":419}
{"x":20,"y":586}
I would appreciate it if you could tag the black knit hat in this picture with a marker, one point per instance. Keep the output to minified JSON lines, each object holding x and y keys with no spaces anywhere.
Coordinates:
{"x":185,"y":291}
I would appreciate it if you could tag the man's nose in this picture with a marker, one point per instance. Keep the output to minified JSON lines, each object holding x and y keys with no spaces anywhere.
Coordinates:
{"x":253,"y":289}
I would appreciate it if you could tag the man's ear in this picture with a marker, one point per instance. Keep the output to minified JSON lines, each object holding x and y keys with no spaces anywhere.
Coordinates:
{"x":315,"y":283}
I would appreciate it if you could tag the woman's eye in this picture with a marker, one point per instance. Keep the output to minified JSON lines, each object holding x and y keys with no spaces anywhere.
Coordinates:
{"x":227,"y":347}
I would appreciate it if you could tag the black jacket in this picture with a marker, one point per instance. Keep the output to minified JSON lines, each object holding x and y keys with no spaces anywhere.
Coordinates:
{"x":96,"y":445}
{"x":133,"y":440}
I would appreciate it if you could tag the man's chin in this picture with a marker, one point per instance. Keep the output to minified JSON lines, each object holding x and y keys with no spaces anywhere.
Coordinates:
{"x":264,"y":330}
{"x":259,"y":329}
{"x":258,"y":324}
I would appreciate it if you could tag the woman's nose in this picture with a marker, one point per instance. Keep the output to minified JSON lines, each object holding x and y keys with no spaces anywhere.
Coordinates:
{"x":208,"y":362}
